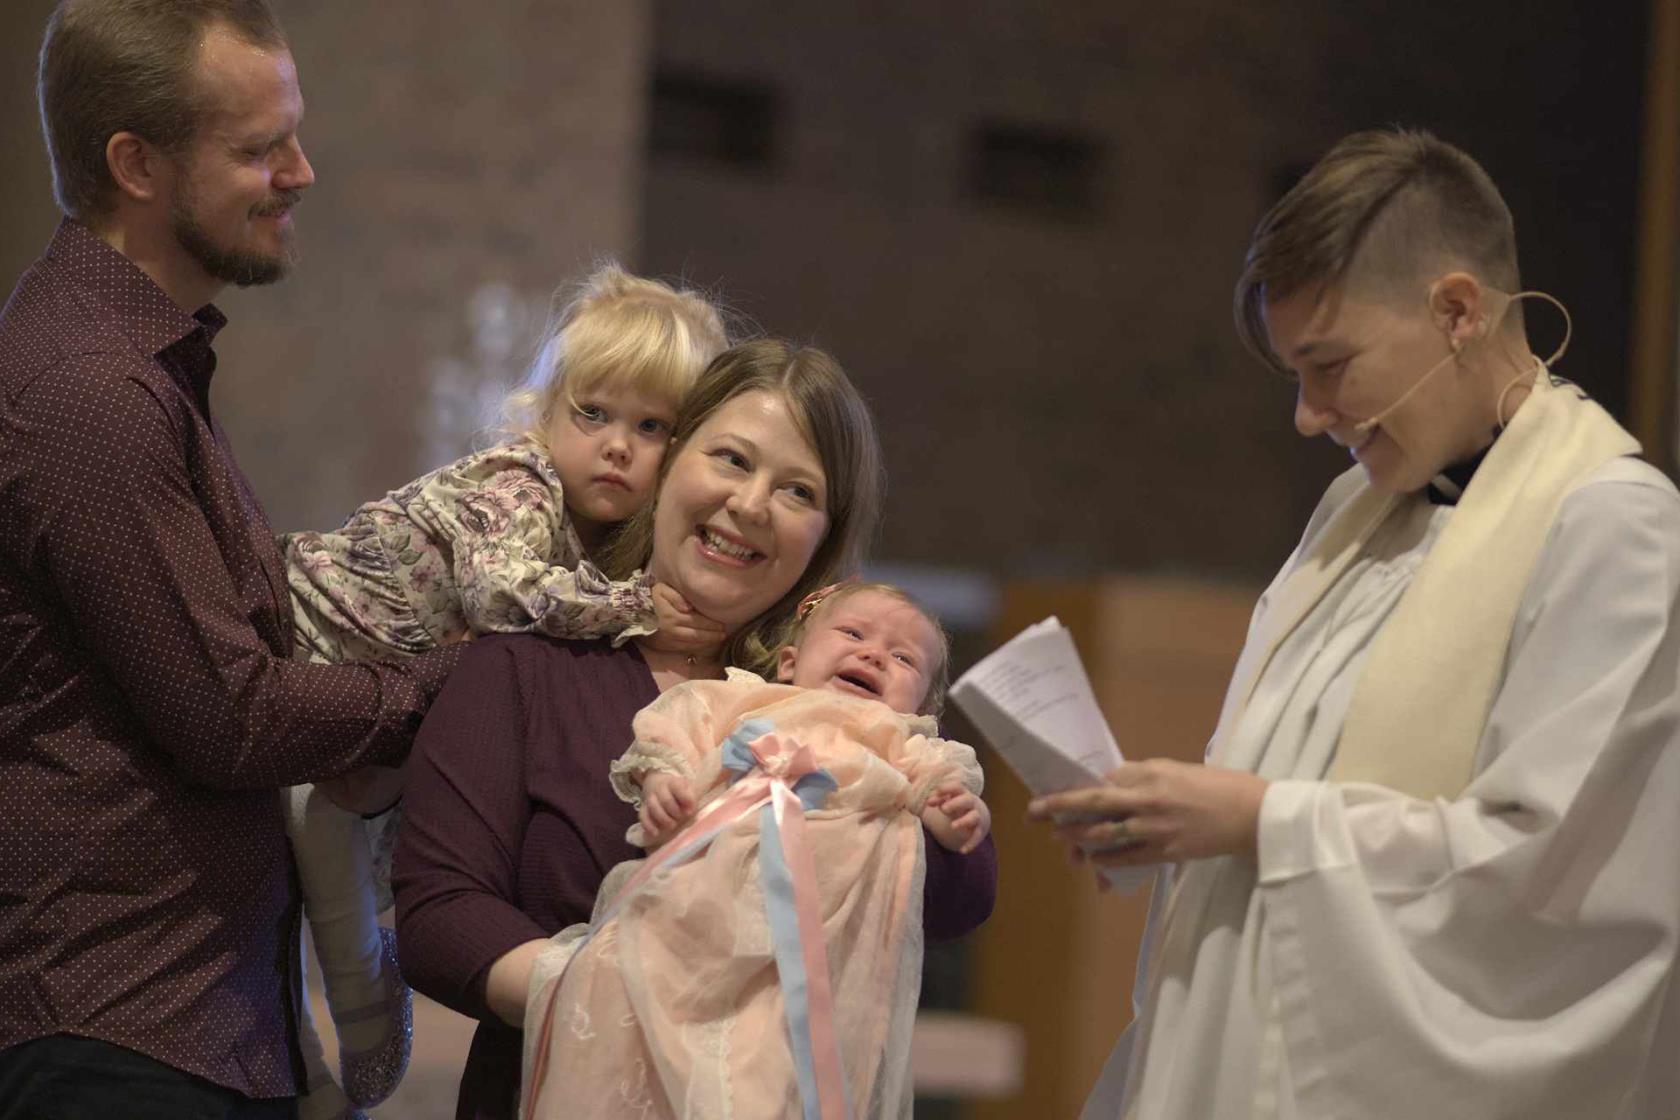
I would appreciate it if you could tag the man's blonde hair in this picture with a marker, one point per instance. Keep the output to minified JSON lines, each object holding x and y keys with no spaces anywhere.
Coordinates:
{"x":938,"y":674}
{"x":1400,"y":201}
{"x":618,"y":331}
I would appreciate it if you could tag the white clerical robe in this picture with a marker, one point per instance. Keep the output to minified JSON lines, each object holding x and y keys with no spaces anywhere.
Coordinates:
{"x":1507,"y":953}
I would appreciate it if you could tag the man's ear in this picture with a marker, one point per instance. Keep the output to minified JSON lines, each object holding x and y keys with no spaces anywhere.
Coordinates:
{"x":1460,"y":309}
{"x":786,"y":658}
{"x":139,"y":169}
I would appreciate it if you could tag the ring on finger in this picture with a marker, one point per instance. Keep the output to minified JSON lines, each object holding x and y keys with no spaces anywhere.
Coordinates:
{"x":1111,"y":835}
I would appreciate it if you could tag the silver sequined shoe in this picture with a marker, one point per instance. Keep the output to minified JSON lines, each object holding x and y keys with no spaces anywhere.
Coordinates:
{"x":369,"y":1076}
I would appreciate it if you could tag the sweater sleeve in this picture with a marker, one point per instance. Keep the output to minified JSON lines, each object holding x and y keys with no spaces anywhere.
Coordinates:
{"x":959,"y":891}
{"x":466,"y":810}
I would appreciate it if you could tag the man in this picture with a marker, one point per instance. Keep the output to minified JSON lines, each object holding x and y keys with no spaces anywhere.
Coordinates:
{"x":149,"y":709}
{"x":1428,"y":871}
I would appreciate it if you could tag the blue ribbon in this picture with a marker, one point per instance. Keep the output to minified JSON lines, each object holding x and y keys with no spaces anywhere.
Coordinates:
{"x":812,"y":790}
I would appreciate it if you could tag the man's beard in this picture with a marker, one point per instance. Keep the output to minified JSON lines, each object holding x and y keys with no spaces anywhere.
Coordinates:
{"x":242,"y":267}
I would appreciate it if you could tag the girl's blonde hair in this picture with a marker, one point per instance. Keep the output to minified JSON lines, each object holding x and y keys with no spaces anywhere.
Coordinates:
{"x":837,"y":423}
{"x":617,"y":331}
{"x":818,"y":603}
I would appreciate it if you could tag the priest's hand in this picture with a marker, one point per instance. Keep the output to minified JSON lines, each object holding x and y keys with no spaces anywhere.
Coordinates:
{"x":1157,"y":810}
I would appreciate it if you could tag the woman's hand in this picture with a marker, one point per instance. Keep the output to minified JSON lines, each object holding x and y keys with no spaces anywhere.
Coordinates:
{"x":957,"y":818}
{"x":667,"y":803}
{"x":682,"y":629}
{"x":1158,"y":810}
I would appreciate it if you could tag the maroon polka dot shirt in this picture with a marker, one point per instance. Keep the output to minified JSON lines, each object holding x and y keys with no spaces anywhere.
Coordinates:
{"x":149,"y":709}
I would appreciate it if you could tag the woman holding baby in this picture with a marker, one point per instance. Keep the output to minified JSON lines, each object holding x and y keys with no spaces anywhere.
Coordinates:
{"x":770,"y":490}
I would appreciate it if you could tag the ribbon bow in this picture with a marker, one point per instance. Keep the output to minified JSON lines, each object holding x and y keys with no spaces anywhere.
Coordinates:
{"x":756,"y":746}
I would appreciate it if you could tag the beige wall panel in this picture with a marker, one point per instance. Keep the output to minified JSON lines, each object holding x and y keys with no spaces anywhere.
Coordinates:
{"x":1058,"y":956}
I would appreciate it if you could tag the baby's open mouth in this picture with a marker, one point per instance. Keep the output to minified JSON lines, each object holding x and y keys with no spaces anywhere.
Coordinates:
{"x":857,"y":682}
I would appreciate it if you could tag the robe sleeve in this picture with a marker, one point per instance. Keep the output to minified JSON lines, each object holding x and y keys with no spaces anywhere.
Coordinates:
{"x":1507,"y":953}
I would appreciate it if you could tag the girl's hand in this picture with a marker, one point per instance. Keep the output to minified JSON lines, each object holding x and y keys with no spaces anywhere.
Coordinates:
{"x":682,"y":629}
{"x":958,"y":819}
{"x":667,"y":803}
{"x":1158,"y":810}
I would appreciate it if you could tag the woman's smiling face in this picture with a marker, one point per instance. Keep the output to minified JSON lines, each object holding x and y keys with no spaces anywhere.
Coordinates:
{"x":742,"y":511}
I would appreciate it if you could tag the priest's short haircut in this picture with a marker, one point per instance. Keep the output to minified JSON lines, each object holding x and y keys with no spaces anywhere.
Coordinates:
{"x":1383,"y":212}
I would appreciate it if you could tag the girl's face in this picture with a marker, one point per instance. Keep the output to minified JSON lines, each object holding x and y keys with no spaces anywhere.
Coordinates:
{"x":869,"y":644}
{"x":742,"y":511}
{"x":606,"y":448}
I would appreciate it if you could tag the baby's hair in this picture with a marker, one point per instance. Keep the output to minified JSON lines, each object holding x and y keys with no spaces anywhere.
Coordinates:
{"x":617,"y":331}
{"x":819,"y":602}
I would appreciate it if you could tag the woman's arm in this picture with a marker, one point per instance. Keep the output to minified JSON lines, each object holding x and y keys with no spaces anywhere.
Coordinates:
{"x":959,"y":890}
{"x":457,"y":857}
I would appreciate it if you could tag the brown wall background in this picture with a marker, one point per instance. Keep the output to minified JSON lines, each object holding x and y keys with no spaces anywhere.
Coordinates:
{"x":1059,"y":393}
{"x":469,"y":158}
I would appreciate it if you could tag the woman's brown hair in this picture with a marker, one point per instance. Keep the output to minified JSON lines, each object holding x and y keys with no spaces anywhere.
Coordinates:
{"x":833,"y":417}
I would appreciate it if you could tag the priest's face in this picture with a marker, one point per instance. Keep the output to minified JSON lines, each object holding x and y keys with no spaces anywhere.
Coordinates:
{"x":1354,"y":358}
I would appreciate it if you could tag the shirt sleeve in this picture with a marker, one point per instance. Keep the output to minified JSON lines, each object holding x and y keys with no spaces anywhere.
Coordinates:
{"x":109,"y":510}
{"x":508,"y":538}
{"x":465,"y":811}
{"x":1457,"y":931}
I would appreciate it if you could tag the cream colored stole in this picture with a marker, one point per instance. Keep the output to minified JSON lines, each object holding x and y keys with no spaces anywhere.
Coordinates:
{"x":1422,"y":700}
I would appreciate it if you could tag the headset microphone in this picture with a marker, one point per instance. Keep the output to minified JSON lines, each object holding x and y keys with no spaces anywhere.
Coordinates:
{"x":1482,"y":330}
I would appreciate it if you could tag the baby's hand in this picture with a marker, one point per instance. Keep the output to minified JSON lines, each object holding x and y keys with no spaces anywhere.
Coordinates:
{"x":958,"y":819}
{"x":681,"y":629}
{"x":667,"y":803}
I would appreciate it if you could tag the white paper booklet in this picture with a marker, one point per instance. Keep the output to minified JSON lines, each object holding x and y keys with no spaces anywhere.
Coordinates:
{"x":1032,"y":700}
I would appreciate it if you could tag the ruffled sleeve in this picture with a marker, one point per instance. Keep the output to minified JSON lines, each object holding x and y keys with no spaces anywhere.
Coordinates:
{"x":517,"y":561}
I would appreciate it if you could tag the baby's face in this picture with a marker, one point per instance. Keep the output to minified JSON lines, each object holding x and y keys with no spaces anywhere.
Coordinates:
{"x":869,"y":644}
{"x":607,"y":451}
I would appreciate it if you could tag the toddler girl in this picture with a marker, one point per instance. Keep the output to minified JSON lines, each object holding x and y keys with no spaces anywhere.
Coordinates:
{"x":498,"y":541}
{"x":765,"y":960}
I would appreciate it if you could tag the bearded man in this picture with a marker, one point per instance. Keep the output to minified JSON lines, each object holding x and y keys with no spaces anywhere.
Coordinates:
{"x":149,"y":706}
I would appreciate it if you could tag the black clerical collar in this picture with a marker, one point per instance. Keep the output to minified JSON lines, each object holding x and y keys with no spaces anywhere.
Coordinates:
{"x":1446,"y":488}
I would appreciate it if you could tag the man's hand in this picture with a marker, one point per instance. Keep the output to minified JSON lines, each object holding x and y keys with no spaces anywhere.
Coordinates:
{"x":682,"y":629}
{"x":1158,"y":810}
{"x":958,"y":819}
{"x":667,"y":803}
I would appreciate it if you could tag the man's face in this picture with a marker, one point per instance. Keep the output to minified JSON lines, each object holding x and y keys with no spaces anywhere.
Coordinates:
{"x":240,"y":176}
{"x":1354,"y":357}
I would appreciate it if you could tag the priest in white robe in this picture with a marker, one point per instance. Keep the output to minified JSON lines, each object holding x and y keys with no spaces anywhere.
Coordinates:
{"x":1430,"y":866}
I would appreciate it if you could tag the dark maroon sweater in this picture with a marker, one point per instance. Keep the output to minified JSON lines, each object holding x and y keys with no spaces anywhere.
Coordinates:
{"x":511,"y":824}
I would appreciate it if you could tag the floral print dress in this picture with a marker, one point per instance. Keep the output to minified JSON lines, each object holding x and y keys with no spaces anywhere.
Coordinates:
{"x":483,"y":545}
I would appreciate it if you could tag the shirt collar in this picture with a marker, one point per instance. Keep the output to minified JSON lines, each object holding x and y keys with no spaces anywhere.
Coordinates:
{"x":139,"y":308}
{"x":1446,"y":488}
